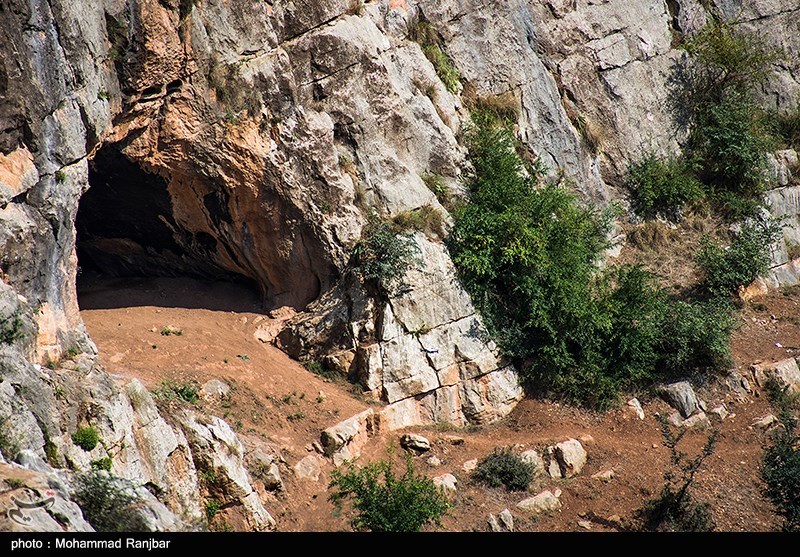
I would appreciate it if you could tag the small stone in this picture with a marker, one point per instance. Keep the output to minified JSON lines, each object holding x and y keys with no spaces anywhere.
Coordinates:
{"x":636,"y":407}
{"x":214,"y":390}
{"x":702,"y":405}
{"x":585,"y":524}
{"x":308,"y":468}
{"x":494,"y":525}
{"x":604,"y":475}
{"x":415,"y":442}
{"x":434,"y":461}
{"x":545,"y":501}
{"x":697,"y":421}
{"x":586,"y":439}
{"x":675,"y":419}
{"x":533,"y":458}
{"x":765,"y":422}
{"x":317,"y":447}
{"x":470,"y":465}
{"x":719,"y":413}
{"x":506,"y":519}
{"x":557,"y":492}
{"x":455,"y":441}
{"x":321,"y":397}
{"x":447,"y":482}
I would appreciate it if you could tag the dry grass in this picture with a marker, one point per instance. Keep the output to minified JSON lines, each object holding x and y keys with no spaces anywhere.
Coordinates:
{"x":668,"y":250}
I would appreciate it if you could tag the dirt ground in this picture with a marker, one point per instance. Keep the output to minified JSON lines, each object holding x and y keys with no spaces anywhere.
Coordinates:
{"x":280,"y":401}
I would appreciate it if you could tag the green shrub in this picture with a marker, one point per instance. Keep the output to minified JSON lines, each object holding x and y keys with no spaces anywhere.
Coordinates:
{"x":504,"y":468}
{"x":108,"y":504}
{"x":10,"y":328}
{"x":432,"y":46}
{"x":527,"y":255}
{"x":662,"y":187}
{"x":386,"y":503}
{"x":437,"y":185}
{"x":185,"y":391}
{"x":675,"y":509}
{"x":444,"y":67}
{"x":383,"y":255}
{"x":744,"y":260}
{"x":86,"y":438}
{"x":780,"y":467}
{"x":727,"y":140}
{"x":102,"y":464}
{"x":212,"y":508}
{"x":786,"y":128}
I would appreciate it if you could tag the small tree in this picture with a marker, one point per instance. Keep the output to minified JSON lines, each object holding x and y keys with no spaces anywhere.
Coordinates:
{"x":385,"y":502}
{"x":504,"y":468}
{"x":675,"y":509}
{"x":383,"y":255}
{"x":781,"y":462}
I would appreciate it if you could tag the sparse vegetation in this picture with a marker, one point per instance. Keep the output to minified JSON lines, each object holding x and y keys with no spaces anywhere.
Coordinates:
{"x":425,"y":219}
{"x":383,"y":255}
{"x":675,"y":509}
{"x":102,"y":464}
{"x":385,"y":502}
{"x":212,"y":508}
{"x":108,"y":504}
{"x":60,"y":176}
{"x":9,"y":445}
{"x":86,"y":438}
{"x":780,"y":468}
{"x":10,"y":328}
{"x":171,"y":331}
{"x":102,"y":95}
{"x":170,"y":390}
{"x":433,"y":47}
{"x":437,"y":185}
{"x":15,"y":483}
{"x":502,"y":468}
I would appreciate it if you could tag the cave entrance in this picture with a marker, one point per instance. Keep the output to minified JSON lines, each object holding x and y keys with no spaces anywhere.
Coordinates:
{"x":132,"y":252}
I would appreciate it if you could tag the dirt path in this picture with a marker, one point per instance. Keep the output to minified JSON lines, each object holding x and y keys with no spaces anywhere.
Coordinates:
{"x":276,"y":398}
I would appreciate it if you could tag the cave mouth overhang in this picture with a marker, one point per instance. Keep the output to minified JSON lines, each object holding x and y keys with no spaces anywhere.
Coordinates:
{"x":126,"y":227}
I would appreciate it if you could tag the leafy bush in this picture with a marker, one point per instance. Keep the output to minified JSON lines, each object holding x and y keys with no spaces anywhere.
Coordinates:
{"x":86,"y":438}
{"x":10,"y":328}
{"x":786,"y":128}
{"x":385,"y":502}
{"x":383,"y":256}
{"x":527,"y":254}
{"x":504,"y":468}
{"x":212,"y":508}
{"x":675,"y":509}
{"x":745,"y":259}
{"x":780,"y":467}
{"x":425,"y":219}
{"x":727,"y":141}
{"x":108,"y":504}
{"x":662,"y":187}
{"x":102,"y":464}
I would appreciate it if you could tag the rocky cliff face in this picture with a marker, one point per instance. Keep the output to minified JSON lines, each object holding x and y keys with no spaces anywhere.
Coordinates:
{"x":253,"y":139}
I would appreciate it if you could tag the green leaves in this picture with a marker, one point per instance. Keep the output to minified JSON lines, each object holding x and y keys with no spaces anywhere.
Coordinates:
{"x":384,"y":255}
{"x":385,"y":502}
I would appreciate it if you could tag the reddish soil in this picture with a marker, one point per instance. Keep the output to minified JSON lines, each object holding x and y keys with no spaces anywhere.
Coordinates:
{"x":125,"y":317}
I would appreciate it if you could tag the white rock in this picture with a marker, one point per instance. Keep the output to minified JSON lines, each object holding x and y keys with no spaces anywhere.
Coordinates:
{"x":434,"y":461}
{"x":765,"y":422}
{"x":446,"y":482}
{"x":785,"y":372}
{"x":719,"y":413}
{"x":214,"y":390}
{"x":533,"y":458}
{"x":571,"y":457}
{"x":415,"y":442}
{"x":545,"y":501}
{"x":470,"y":465}
{"x":604,"y":475}
{"x":636,"y":407}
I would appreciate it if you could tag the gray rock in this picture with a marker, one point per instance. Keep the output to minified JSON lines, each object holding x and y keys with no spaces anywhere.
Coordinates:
{"x":215,"y":389}
{"x":604,"y":475}
{"x":765,"y":422}
{"x":415,"y":442}
{"x":543,"y":502}
{"x":434,"y":461}
{"x":345,"y":440}
{"x":681,"y":396}
{"x":718,"y":413}
{"x":503,"y":522}
{"x":697,"y":421}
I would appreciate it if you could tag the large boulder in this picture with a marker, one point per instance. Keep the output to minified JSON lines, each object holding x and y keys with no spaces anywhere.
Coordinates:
{"x":681,"y":396}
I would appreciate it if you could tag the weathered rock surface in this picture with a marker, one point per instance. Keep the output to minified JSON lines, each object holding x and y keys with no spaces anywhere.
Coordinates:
{"x":503,"y":522}
{"x":448,"y":483}
{"x":681,"y":396}
{"x":635,"y":407}
{"x":570,"y":457}
{"x":344,"y":440}
{"x":545,"y":501}
{"x":535,"y":459}
{"x":308,"y":468}
{"x":415,"y":442}
{"x":785,"y":372}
